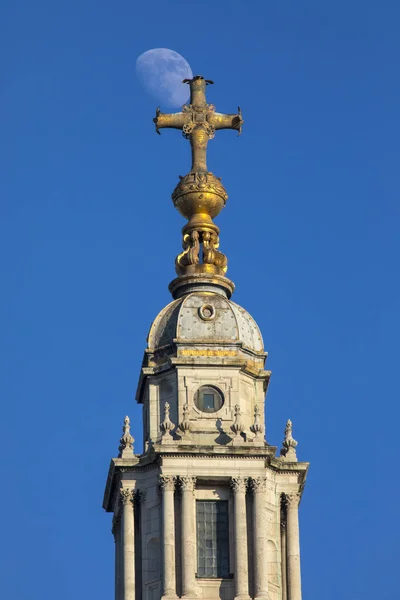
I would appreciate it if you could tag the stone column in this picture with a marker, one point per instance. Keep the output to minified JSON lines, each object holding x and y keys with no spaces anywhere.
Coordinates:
{"x":259,"y":487}
{"x":128,"y":525}
{"x":188,"y":538}
{"x":238,"y":485}
{"x":116,"y":531}
{"x":167,"y":484}
{"x":283,"y":553}
{"x":293,"y":547}
{"x":142,"y":531}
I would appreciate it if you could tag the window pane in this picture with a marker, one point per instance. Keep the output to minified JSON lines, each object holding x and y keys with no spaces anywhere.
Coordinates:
{"x":212,"y":538}
{"x":208,"y":401}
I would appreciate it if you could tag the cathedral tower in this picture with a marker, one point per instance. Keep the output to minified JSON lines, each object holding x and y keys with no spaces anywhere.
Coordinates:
{"x":207,"y":510}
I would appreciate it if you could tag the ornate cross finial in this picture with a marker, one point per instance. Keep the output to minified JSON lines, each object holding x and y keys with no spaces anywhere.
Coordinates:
{"x":200,"y":196}
{"x":288,"y":451}
{"x":198,"y":121}
{"x":126,"y":442}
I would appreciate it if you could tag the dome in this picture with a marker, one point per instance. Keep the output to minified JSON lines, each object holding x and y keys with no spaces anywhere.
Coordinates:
{"x":205,"y":317}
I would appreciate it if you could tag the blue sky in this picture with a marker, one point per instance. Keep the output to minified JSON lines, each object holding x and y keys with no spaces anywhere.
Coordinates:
{"x":88,"y":237}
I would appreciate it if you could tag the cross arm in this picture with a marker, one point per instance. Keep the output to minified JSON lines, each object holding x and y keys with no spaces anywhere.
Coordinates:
{"x":173,"y":120}
{"x":221,"y":121}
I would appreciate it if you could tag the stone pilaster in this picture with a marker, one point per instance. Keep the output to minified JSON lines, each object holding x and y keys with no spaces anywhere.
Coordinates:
{"x":128,"y":525}
{"x":238,"y":485}
{"x":188,"y":537}
{"x":167,"y":485}
{"x":293,"y":547}
{"x":258,"y":486}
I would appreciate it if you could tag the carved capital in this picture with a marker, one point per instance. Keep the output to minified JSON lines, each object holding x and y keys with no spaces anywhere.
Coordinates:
{"x":258,"y":485}
{"x":238,"y":484}
{"x":167,"y":483}
{"x":127,"y":495}
{"x":292,"y":500}
{"x":187,"y":483}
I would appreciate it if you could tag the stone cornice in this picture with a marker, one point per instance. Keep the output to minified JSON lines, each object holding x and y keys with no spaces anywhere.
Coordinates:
{"x":152,"y":460}
{"x":213,"y":353}
{"x":289,"y":467}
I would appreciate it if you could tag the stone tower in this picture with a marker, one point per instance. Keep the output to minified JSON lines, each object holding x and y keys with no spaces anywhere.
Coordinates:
{"x":207,"y":510}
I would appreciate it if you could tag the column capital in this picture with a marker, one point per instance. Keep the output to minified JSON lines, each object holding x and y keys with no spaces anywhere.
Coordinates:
{"x":258,"y":485}
{"x":187,"y":483}
{"x":167,"y":483}
{"x":238,"y":484}
{"x":292,"y":500}
{"x":127,"y":495}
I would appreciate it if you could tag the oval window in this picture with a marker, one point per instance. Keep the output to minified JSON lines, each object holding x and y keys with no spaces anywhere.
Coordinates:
{"x":209,"y":399}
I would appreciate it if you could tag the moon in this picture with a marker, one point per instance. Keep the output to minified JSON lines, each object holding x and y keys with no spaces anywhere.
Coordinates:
{"x":161,"y":72}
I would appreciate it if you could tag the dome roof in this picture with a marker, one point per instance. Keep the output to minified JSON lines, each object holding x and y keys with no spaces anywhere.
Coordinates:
{"x":205,"y":317}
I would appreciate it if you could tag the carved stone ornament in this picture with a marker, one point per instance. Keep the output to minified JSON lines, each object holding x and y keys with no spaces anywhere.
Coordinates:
{"x":288,"y":450}
{"x":238,"y":484}
{"x":185,"y":425}
{"x":257,"y":428}
{"x":292,"y":500}
{"x":187,"y":483}
{"x":126,"y":442}
{"x":167,"y":483}
{"x":127,"y":495}
{"x":237,"y":426}
{"x":258,"y":485}
{"x":166,"y":426}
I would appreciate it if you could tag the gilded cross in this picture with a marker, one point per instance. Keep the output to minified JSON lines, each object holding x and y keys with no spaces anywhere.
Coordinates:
{"x":198,"y":121}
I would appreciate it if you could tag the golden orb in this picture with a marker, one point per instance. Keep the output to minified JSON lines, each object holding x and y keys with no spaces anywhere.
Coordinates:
{"x":199,"y":193}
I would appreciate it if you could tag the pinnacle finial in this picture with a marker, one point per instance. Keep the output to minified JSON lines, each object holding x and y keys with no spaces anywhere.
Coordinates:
{"x":237,"y":426}
{"x":288,"y":451}
{"x":257,"y":428}
{"x":166,"y":426}
{"x":126,"y":442}
{"x":185,"y":425}
{"x":200,"y":196}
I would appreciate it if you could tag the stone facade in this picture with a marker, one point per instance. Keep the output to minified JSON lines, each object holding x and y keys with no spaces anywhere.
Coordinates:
{"x":203,"y":348}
